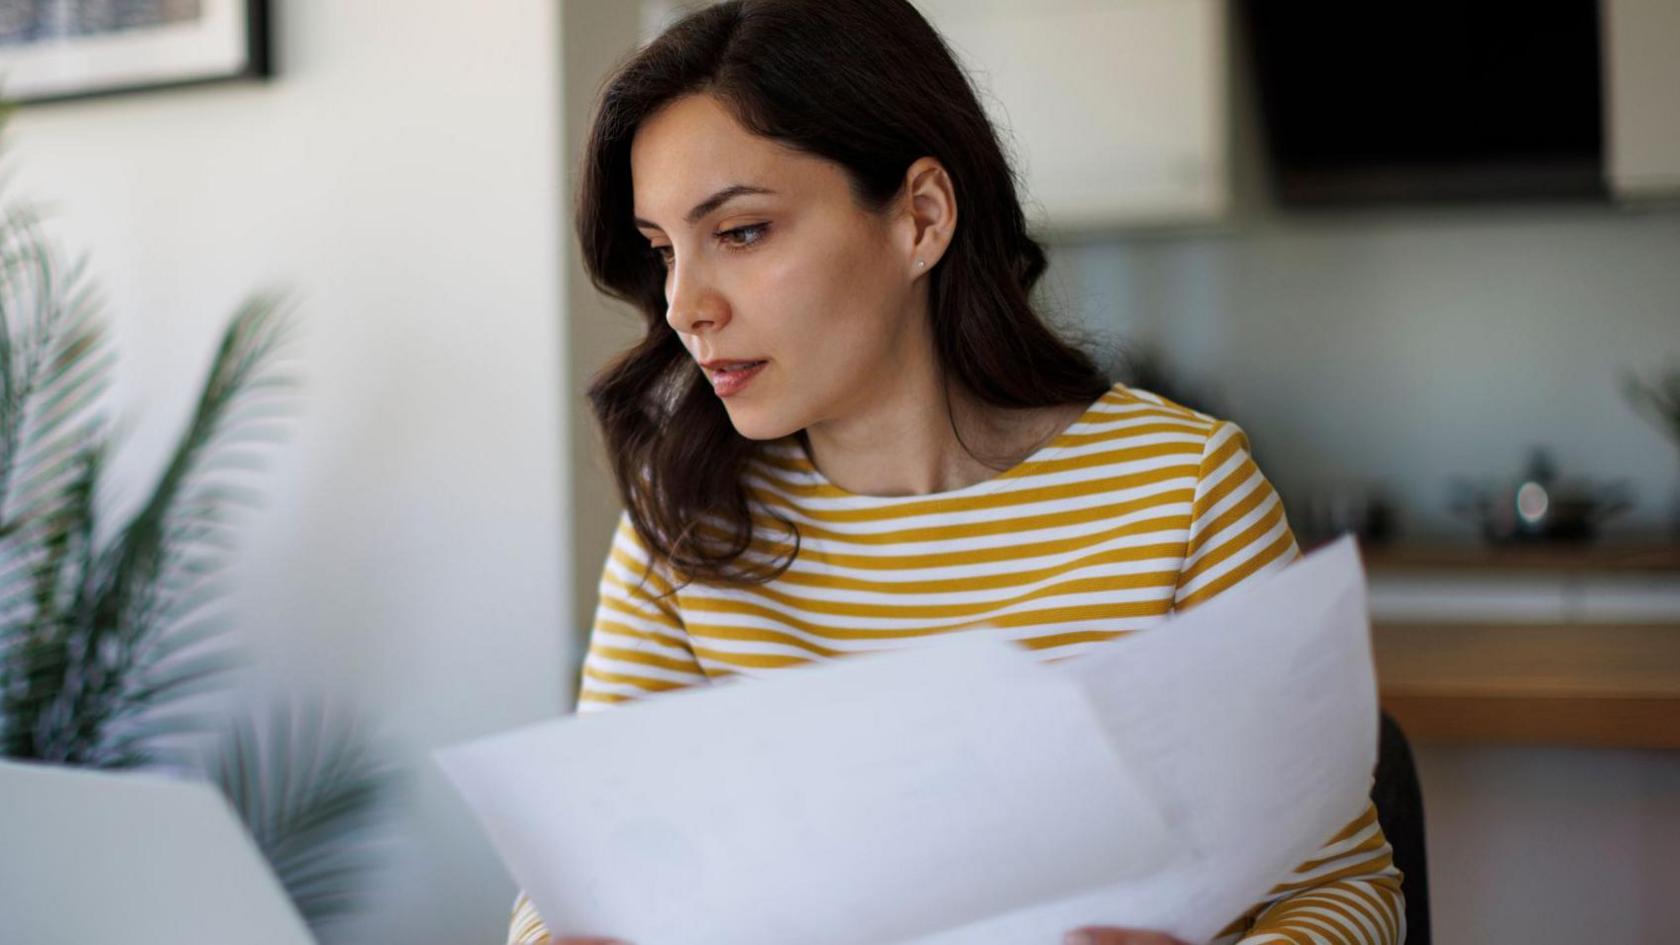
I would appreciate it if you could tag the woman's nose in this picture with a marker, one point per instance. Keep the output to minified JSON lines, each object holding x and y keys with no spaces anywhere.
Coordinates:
{"x":691,"y":304}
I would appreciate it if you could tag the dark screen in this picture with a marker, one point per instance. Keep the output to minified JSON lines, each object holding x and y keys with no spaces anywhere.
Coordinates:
{"x":1422,"y":101}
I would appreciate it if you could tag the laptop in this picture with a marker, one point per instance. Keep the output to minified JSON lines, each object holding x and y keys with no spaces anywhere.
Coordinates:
{"x":142,"y":859}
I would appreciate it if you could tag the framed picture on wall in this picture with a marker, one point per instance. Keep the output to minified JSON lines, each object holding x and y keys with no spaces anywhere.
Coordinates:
{"x":52,"y":50}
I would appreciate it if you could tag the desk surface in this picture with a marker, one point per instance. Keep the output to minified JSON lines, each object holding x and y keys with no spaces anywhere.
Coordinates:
{"x":1602,"y":685}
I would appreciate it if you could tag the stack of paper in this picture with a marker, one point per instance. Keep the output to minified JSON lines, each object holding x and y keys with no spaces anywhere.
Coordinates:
{"x":957,"y":794}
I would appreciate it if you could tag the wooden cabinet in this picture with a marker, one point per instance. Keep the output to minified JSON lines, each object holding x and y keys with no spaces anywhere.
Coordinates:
{"x":1642,"y":97}
{"x":1587,"y":685}
{"x":1114,"y":110}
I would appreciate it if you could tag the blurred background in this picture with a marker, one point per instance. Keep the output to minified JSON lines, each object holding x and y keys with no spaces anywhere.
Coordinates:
{"x":1428,"y":258}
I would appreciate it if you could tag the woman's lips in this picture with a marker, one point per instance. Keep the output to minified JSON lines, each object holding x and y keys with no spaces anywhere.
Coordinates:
{"x":729,"y":381}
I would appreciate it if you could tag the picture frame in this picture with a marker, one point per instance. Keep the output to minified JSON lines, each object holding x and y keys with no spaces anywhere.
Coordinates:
{"x":58,"y":50}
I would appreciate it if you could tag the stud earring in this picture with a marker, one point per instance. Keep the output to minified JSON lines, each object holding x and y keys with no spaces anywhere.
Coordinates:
{"x":920,"y":264}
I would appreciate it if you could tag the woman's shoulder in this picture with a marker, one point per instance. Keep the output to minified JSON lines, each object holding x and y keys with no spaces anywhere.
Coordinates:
{"x":1138,"y":416}
{"x":1125,"y":400}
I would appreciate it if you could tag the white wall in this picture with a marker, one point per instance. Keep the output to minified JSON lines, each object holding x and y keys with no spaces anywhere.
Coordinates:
{"x":1412,"y":347}
{"x":402,"y":175}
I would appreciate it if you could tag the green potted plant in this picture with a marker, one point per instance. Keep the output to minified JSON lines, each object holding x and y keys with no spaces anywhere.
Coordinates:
{"x":108,"y":628}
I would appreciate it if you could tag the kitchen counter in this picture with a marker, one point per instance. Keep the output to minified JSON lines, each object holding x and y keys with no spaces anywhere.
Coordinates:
{"x":1562,"y":645}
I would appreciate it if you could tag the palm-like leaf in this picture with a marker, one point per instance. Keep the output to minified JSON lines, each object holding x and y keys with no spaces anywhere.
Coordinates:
{"x":97,"y":636}
{"x":310,"y":790}
{"x":148,"y":605}
{"x":1658,"y":400}
{"x":53,"y":367}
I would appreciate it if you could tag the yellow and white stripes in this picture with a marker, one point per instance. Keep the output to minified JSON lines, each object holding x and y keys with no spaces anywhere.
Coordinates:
{"x":1349,"y":892}
{"x":1141,"y":508}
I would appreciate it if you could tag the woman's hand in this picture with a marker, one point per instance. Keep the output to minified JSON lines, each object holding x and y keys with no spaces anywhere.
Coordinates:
{"x":1098,"y":935}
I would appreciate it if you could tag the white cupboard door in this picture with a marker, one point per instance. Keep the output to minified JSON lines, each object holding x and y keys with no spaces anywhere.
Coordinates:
{"x":1114,"y":110}
{"x":1642,"y":96}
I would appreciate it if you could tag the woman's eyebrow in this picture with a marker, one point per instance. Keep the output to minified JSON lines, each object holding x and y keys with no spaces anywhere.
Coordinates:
{"x":712,"y":203}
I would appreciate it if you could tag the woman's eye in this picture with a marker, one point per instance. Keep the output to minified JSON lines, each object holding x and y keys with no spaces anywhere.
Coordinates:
{"x":743,"y":236}
{"x":739,"y":238}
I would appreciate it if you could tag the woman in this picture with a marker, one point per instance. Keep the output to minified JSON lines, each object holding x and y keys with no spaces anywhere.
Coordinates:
{"x":846,"y":428}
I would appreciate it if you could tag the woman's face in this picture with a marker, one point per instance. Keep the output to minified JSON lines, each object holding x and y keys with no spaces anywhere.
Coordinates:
{"x":785,"y":269}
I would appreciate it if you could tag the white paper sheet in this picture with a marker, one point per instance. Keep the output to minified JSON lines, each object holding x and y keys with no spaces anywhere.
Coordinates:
{"x":957,"y":794}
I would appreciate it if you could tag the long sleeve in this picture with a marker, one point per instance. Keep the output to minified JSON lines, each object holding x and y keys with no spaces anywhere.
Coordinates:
{"x":1349,"y":893}
{"x":637,"y":646}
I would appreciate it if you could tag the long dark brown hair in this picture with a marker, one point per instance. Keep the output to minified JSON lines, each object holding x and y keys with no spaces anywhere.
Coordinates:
{"x":869,"y":85}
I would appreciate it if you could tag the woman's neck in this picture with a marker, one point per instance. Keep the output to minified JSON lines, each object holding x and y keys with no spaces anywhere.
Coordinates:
{"x":902,"y":442}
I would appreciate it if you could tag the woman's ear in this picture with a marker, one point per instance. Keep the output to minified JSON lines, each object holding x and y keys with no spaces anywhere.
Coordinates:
{"x":930,"y":209}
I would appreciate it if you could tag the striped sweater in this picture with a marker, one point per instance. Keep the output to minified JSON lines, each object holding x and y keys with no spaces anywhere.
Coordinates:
{"x":1142,"y":507}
